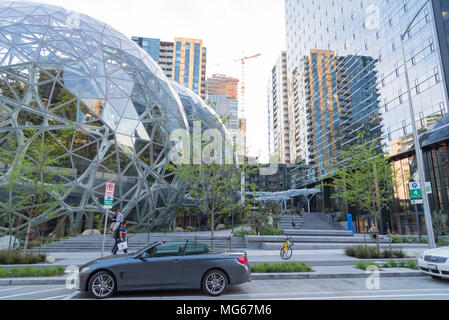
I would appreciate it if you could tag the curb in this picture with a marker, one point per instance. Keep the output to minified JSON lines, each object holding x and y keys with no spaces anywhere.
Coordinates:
{"x":32,"y":282}
{"x":254,"y":277}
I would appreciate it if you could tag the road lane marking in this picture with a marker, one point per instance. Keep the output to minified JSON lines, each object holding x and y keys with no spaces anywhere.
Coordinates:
{"x":31,"y":293}
{"x":53,"y":298}
{"x":373,"y":296}
{"x":71,"y":296}
{"x":3,"y":290}
{"x":445,"y":292}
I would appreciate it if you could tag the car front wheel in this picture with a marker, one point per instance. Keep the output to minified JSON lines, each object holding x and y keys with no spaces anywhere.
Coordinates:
{"x":215,"y":283}
{"x":102,"y":285}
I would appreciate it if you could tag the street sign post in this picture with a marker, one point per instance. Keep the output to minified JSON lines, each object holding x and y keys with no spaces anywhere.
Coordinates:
{"x":108,"y":204}
{"x":415,"y":191}
{"x":417,"y":198}
{"x":109,"y":196}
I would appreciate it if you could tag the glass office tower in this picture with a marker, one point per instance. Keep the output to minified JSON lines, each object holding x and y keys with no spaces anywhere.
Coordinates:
{"x":364,"y":37}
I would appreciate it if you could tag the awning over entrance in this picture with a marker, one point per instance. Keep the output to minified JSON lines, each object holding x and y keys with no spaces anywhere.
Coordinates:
{"x":283,"y":196}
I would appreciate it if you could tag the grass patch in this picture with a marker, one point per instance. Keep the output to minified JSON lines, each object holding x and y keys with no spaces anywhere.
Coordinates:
{"x":15,"y":257}
{"x":397,"y":239}
{"x":410,"y":264}
{"x":30,"y":272}
{"x":284,"y":267}
{"x":362,"y":252}
{"x":363,"y":265}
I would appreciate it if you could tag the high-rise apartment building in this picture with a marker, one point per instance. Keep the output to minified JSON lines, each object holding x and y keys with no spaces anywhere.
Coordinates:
{"x":189,"y":64}
{"x":161,"y":52}
{"x":346,"y":75}
{"x":223,"y":92}
{"x":183,"y":60}
{"x":279,"y":122}
{"x":337,"y":97}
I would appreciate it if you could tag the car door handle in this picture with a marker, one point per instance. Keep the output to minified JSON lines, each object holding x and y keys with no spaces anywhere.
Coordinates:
{"x":177,"y":261}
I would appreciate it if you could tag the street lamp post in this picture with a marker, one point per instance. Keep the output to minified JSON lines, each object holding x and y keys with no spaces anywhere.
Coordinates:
{"x":418,"y":150}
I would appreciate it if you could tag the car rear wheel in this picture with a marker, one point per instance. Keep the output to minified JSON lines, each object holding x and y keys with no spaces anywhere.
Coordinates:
{"x":102,"y":285}
{"x":215,"y":283}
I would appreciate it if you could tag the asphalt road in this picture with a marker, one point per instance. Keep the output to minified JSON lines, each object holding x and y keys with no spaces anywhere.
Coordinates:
{"x":36,"y":293}
{"x":421,"y":288}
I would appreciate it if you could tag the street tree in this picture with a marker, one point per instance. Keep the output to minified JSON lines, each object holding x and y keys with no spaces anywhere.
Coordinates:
{"x":215,"y":187}
{"x":365,"y":179}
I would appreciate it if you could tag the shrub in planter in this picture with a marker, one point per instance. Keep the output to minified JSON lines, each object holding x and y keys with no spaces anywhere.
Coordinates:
{"x":15,"y":257}
{"x":363,"y":265}
{"x":285,"y":267}
{"x":372,"y":253}
{"x":242,"y":233}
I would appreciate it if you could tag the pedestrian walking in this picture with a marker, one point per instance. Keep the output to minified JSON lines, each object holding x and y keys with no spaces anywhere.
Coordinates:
{"x":122,"y":237}
{"x":118,"y":218}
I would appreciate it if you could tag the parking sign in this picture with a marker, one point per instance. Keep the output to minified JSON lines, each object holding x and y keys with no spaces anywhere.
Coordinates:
{"x":109,"y":196}
{"x":415,"y":191}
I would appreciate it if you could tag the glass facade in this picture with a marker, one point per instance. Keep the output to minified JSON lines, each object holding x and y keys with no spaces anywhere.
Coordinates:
{"x":363,"y":41}
{"x":151,"y":46}
{"x":54,"y":72}
{"x":445,"y":15}
{"x":198,"y":111}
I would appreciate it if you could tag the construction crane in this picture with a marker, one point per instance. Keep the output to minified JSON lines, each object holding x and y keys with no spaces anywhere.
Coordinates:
{"x":242,"y":96}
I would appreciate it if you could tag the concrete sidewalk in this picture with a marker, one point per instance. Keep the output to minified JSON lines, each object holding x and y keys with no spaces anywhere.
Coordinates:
{"x":310,"y":257}
{"x":330,"y":272}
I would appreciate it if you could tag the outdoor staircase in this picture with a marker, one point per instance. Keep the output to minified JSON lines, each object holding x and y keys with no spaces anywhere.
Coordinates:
{"x":93,"y":243}
{"x":285,"y":222}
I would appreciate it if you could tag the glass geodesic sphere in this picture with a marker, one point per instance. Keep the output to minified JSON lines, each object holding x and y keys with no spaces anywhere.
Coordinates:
{"x":197,"y":110}
{"x":60,"y":68}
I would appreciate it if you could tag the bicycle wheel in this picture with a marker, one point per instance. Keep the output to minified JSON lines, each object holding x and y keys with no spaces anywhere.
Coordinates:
{"x":286,"y":254}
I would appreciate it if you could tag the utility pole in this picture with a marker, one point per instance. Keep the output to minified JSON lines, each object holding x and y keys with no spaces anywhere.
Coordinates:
{"x":418,"y":150}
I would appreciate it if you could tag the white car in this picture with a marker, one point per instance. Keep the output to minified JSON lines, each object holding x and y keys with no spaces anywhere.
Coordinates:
{"x":435,"y":263}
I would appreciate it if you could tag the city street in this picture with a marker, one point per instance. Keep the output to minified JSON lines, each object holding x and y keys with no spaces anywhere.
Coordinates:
{"x":421,"y":288}
{"x":59,"y":292}
{"x":323,"y":289}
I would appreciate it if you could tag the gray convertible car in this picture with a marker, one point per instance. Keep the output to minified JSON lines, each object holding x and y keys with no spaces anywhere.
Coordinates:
{"x":165,"y":265}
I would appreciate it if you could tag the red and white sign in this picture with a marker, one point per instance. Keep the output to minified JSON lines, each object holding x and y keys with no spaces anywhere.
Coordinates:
{"x":109,"y":196}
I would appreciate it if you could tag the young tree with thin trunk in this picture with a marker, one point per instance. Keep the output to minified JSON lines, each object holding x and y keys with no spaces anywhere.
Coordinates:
{"x":365,"y":179}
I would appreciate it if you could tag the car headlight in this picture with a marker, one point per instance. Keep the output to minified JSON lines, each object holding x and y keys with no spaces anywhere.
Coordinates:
{"x":85,"y":270}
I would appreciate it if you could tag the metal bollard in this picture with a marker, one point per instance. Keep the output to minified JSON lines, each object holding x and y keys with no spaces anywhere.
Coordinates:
{"x":230,"y":242}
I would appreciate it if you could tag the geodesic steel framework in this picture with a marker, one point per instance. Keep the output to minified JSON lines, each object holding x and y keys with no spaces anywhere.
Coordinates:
{"x":60,"y":68}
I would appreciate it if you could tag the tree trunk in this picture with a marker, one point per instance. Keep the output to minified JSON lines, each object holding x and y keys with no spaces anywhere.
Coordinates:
{"x":378,"y":205}
{"x":27,"y":236}
{"x":212,"y":229}
{"x":10,"y":232}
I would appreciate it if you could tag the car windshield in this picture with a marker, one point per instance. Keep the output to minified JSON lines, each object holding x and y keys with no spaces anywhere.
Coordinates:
{"x":169,"y":249}
{"x":146,"y":247}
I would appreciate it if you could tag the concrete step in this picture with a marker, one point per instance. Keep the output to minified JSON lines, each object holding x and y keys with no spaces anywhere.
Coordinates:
{"x":318,"y":233}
